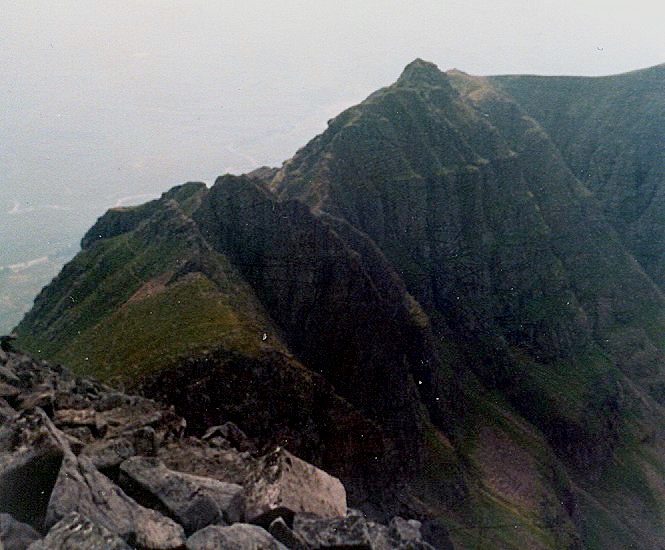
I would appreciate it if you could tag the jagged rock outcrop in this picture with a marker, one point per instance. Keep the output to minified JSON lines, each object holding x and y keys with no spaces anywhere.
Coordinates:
{"x":275,"y":488}
{"x":58,"y":492}
{"x":193,"y":501}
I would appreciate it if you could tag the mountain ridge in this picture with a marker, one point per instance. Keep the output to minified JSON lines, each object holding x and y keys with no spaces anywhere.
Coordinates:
{"x":435,"y":256}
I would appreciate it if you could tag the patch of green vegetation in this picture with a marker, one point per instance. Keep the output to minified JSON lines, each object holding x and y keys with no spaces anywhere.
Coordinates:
{"x":132,"y":303}
{"x":96,"y":282}
{"x":624,"y":480}
{"x":441,"y":473}
{"x":494,"y":523}
{"x":151,"y":333}
{"x":482,"y":519}
{"x":500,"y":525}
{"x":572,"y":383}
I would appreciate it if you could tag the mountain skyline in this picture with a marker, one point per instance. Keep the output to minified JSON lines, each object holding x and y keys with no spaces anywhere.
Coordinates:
{"x":457,"y":284}
{"x":41,"y":232}
{"x":103,"y":102}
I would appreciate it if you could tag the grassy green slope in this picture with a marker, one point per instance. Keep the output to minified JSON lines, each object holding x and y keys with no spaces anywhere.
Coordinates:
{"x":140,"y":300}
{"x":188,"y":317}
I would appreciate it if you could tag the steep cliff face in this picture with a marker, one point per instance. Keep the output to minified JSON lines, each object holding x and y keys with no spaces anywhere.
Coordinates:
{"x":510,"y":254}
{"x":610,"y":130}
{"x":492,"y":234}
{"x":343,"y":313}
{"x":428,"y":299}
{"x":310,"y":329}
{"x":621,"y":301}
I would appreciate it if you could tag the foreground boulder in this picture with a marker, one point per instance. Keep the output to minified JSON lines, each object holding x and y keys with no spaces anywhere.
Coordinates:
{"x":193,"y":501}
{"x":240,"y":536}
{"x":75,"y":532}
{"x":284,"y":534}
{"x":198,"y":458}
{"x":81,"y":488}
{"x":15,"y":535}
{"x":282,"y":484}
{"x":109,"y":453}
{"x":31,"y":451}
{"x":349,"y":532}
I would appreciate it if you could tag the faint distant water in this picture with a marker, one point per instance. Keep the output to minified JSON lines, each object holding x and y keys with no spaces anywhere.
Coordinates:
{"x":37,"y":240}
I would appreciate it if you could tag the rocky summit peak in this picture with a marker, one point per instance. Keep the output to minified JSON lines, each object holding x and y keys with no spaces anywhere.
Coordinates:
{"x":422,"y":72}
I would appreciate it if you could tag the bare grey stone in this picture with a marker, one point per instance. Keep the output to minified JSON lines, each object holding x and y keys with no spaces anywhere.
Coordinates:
{"x":8,"y":391}
{"x":284,"y":534}
{"x":108,"y":453}
{"x":15,"y":535}
{"x":81,"y":488}
{"x":193,"y":501}
{"x":240,"y":536}
{"x":347,"y":533}
{"x":75,"y":532}
{"x":198,"y":458}
{"x":282,"y":484}
{"x":7,"y":412}
{"x":231,"y":433}
{"x":8,"y":375}
{"x":43,"y":399}
{"x":405,"y":530}
{"x":31,"y":452}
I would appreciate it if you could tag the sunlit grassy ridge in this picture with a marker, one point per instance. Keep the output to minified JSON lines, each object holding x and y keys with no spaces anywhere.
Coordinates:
{"x":138,"y":301}
{"x":188,"y":317}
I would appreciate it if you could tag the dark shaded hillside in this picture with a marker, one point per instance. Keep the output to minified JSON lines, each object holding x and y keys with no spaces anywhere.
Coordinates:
{"x":232,"y":282}
{"x":502,"y":242}
{"x":343,"y":310}
{"x":476,"y":208}
{"x":611,"y":132}
{"x":426,"y":299}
